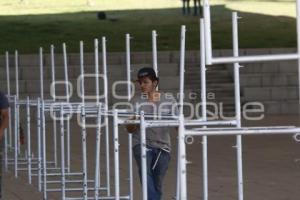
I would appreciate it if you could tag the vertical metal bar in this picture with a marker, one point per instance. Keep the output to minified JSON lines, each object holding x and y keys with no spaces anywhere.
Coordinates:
{"x":54,"y":99}
{"x":298,"y":48}
{"x":44,"y":152}
{"x":66,"y":71}
{"x":17,"y":73}
{"x":207,"y":24}
{"x":16,"y":137}
{"x":128,"y":64}
{"x":62,"y":154}
{"x":128,"y":74}
{"x":116,"y":154}
{"x":7,"y":131}
{"x":104,"y":57}
{"x":28,"y":140}
{"x":182,"y":152}
{"x":181,"y":98}
{"x":68,"y":146}
{"x":182,"y":71}
{"x":237,"y":105}
{"x":68,"y":100}
{"x":17,"y":112}
{"x":83,"y":130}
{"x":204,"y":107}
{"x":41,"y":74}
{"x":9,"y":94}
{"x":144,"y":156}
{"x":130,"y":167}
{"x":97,"y":159}
{"x":154,"y":51}
{"x":98,"y":130}
{"x":39,"y":144}
{"x":96,"y":52}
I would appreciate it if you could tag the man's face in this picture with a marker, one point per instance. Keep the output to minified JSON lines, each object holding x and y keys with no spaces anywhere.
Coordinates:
{"x":147,"y":85}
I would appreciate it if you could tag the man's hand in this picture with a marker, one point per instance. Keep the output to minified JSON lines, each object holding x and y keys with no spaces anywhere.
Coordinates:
{"x":4,"y":122}
{"x":131,"y":128}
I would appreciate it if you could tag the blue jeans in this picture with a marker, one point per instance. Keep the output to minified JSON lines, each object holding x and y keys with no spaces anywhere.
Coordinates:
{"x":157,"y":165}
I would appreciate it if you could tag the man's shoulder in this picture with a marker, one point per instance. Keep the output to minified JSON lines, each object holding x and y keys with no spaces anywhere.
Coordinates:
{"x":167,"y":97}
{"x":3,"y":101}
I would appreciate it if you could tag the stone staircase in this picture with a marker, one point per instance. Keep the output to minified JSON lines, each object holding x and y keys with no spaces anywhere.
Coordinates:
{"x":220,"y":87}
{"x":273,"y":84}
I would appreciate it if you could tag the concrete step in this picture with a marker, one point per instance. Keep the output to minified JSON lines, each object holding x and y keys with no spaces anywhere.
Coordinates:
{"x":270,"y":93}
{"x":112,"y":58}
{"x":33,"y":86}
{"x":33,"y":73}
{"x":270,"y":67}
{"x":269,"y":79}
{"x":281,"y":107}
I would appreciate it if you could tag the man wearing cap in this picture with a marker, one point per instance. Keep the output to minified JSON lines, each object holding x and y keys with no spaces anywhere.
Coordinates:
{"x":4,"y":105}
{"x":153,"y":102}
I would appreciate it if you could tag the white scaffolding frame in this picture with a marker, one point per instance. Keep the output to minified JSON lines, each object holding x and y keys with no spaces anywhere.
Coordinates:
{"x":51,"y":172}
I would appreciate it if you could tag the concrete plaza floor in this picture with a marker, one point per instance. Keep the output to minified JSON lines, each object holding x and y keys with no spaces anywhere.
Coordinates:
{"x":271,"y":167}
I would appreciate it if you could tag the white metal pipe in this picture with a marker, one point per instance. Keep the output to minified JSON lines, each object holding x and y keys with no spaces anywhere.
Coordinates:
{"x":41,"y":73}
{"x":54,"y":99}
{"x":83,"y":128}
{"x":175,"y":123}
{"x":144,"y":156}
{"x":53,"y":70}
{"x":116,"y":155}
{"x":44,"y":153}
{"x":154,"y":51}
{"x":97,"y":159}
{"x":7,"y":132}
{"x":68,"y":146}
{"x":104,"y":59}
{"x":39,"y":144}
{"x":207,"y":28}
{"x":17,"y":113}
{"x":257,"y":58}
{"x":128,"y":64}
{"x":68,"y":100}
{"x":16,"y":137}
{"x":98,"y":130}
{"x":182,"y":153}
{"x":298,"y":47}
{"x":204,"y":107}
{"x":7,"y":72}
{"x":131,"y":196}
{"x":128,"y":75}
{"x":237,"y":106}
{"x":66,"y":72}
{"x":243,"y":131}
{"x":17,"y":73}
{"x":96,"y":54}
{"x":62,"y":154}
{"x":9,"y":94}
{"x":182,"y":62}
{"x":28,"y":141}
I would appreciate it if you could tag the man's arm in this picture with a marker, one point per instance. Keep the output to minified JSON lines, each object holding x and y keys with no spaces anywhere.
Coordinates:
{"x":4,"y":122}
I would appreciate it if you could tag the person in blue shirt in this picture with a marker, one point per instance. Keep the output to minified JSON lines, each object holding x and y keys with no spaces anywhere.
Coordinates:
{"x":4,"y":115}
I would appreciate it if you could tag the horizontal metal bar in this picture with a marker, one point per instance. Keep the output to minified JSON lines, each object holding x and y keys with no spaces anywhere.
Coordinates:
{"x":69,"y":189}
{"x":175,"y":123}
{"x":100,"y":198}
{"x":258,"y":58}
{"x":243,"y":131}
{"x":69,"y":181}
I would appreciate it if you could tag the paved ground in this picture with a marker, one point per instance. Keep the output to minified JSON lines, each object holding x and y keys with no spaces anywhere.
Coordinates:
{"x":271,"y":167}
